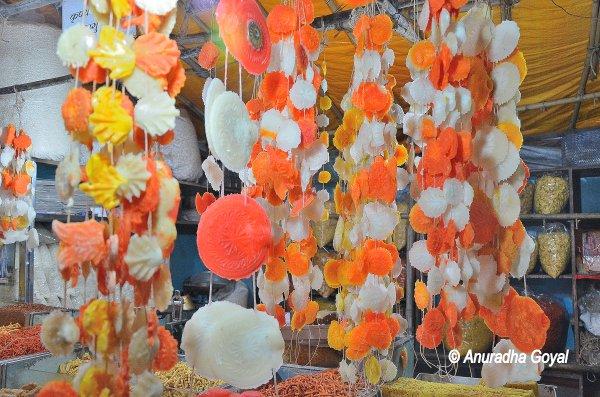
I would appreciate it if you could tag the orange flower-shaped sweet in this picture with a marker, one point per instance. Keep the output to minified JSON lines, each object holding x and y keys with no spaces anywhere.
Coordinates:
{"x":379,"y":335}
{"x":479,"y":83}
{"x":279,"y":313}
{"x":155,"y":53}
{"x":309,"y":38}
{"x":255,"y":107}
{"x":90,"y":73}
{"x":460,"y":66}
{"x":380,"y":30}
{"x":497,"y":321}
{"x":440,"y":69}
{"x":483,"y":218}
{"x":522,"y":314}
{"x":76,"y":111}
{"x":274,"y":90}
{"x":274,"y":171}
{"x":208,"y":55}
{"x":378,"y":182}
{"x":166,"y":356}
{"x":175,"y":80}
{"x":343,"y":137}
{"x":305,"y":10}
{"x":356,"y":341}
{"x":420,"y":222}
{"x":372,"y":98}
{"x":430,"y":332}
{"x":422,"y":54}
{"x":306,"y":316}
{"x":379,"y":257}
{"x":308,"y":131}
{"x":344,"y":205}
{"x":435,"y":159}
{"x":281,"y":21}
{"x":297,"y":261}
{"x":275,"y":269}
{"x":57,"y":388}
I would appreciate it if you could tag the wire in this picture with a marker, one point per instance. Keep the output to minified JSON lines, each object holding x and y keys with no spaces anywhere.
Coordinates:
{"x":570,"y":13}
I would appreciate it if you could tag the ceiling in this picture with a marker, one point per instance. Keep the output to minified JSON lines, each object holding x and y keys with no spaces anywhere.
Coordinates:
{"x":554,"y":44}
{"x":555,"y":37}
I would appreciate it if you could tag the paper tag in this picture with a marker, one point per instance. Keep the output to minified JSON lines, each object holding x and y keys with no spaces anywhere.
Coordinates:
{"x":72,"y":12}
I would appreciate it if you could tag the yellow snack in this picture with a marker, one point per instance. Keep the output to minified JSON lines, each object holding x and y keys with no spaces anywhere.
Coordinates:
{"x":110,"y":121}
{"x":114,"y":53}
{"x":103,"y":182}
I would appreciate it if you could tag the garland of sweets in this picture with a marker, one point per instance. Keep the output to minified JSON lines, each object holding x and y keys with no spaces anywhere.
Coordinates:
{"x":365,"y":201}
{"x":126,"y":177}
{"x":463,"y":120}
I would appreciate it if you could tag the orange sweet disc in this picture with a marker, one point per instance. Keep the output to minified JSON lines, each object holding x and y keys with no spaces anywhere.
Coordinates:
{"x":497,"y":322}
{"x":421,"y":295}
{"x":57,"y":388}
{"x":422,"y":54}
{"x":483,"y":218}
{"x":243,"y":29}
{"x":305,"y":10}
{"x":76,"y":111}
{"x":372,"y":98}
{"x":522,"y":314}
{"x":420,"y":222}
{"x":234,"y":236}
{"x":309,"y":38}
{"x":380,"y":31}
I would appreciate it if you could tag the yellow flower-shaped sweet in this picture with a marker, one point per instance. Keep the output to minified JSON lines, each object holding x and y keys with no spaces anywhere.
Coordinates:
{"x":336,"y":335}
{"x":111,"y":122}
{"x":401,"y":155}
{"x":324,"y":137}
{"x":344,"y":137}
{"x":97,"y":323}
{"x":114,"y":53}
{"x":121,"y":8}
{"x":353,"y":119}
{"x":513,"y":133}
{"x":103,"y":182}
{"x":94,"y":381}
{"x":372,"y":370}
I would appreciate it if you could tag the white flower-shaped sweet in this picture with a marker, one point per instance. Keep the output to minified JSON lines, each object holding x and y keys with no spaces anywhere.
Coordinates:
{"x":213,"y":172}
{"x":74,"y":44}
{"x":133,"y":168}
{"x":143,"y":256}
{"x":141,"y":84}
{"x":302,"y":94}
{"x":59,"y":333}
{"x":157,"y":7}
{"x":156,"y":113}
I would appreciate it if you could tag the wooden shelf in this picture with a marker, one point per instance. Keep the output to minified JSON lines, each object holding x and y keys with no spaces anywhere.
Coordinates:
{"x":559,"y":217}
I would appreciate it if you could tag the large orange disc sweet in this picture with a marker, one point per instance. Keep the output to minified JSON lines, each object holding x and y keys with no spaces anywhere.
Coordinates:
{"x":234,"y":236}
{"x":243,"y":29}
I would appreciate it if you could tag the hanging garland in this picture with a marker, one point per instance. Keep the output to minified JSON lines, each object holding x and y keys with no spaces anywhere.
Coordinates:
{"x":468,"y":174}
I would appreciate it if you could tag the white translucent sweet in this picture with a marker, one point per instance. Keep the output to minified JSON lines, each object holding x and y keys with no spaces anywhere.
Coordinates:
{"x":459,"y":214}
{"x":478,"y":29}
{"x":140,"y":352}
{"x":143,"y":256}
{"x":298,"y":227}
{"x":402,"y":178}
{"x":59,"y":333}
{"x":423,"y":18}
{"x":375,"y":296}
{"x":313,"y":159}
{"x":213,"y":172}
{"x":133,"y":168}
{"x":506,"y":204}
{"x":454,"y":191}
{"x":348,"y":372}
{"x":322,"y":120}
{"x":421,"y":90}
{"x":389,"y":371}
{"x":506,"y":80}
{"x":73,"y":45}
{"x":518,"y":178}
{"x":156,"y":113}
{"x":141,"y":84}
{"x":378,"y":220}
{"x":488,"y":283}
{"x":419,"y":257}
{"x":498,"y":374}
{"x":232,"y":132}
{"x":288,"y":136}
{"x":505,"y":38}
{"x":242,"y":347}
{"x":303,"y":94}
{"x":469,"y":193}
{"x":214,"y":88}
{"x":435,"y":280}
{"x":387,"y":58}
{"x":147,"y":385}
{"x":489,"y":147}
{"x":456,"y":295}
{"x":7,"y":155}
{"x":520,"y":266}
{"x":157,"y":7}
{"x":509,"y":165}
{"x":68,"y":175}
{"x":451,"y":273}
{"x":433,"y":202}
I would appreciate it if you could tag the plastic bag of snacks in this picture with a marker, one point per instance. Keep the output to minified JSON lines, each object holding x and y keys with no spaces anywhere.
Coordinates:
{"x":551,"y":194}
{"x":533,"y":260}
{"x":324,"y":230}
{"x":526,"y":197}
{"x":590,"y":254}
{"x":554,"y":249}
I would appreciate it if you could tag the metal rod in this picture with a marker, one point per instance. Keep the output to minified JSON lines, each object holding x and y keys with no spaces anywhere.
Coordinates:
{"x":557,"y":102}
{"x":34,"y":85}
{"x":193,"y":39}
{"x":588,"y":61}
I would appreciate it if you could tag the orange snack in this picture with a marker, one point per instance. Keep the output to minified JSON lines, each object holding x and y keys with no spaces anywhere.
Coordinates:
{"x":275,"y":269}
{"x":57,"y":388}
{"x":430,"y":332}
{"x":309,"y":38}
{"x":155,"y":53}
{"x":166,"y":357}
{"x":420,"y":222}
{"x":76,"y":111}
{"x":380,"y":31}
{"x":422,"y":296}
{"x":274,"y":90}
{"x":175,"y":82}
{"x":281,"y":21}
{"x":372,"y":98}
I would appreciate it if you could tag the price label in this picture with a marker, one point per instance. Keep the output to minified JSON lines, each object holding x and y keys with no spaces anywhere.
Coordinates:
{"x":72,"y":14}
